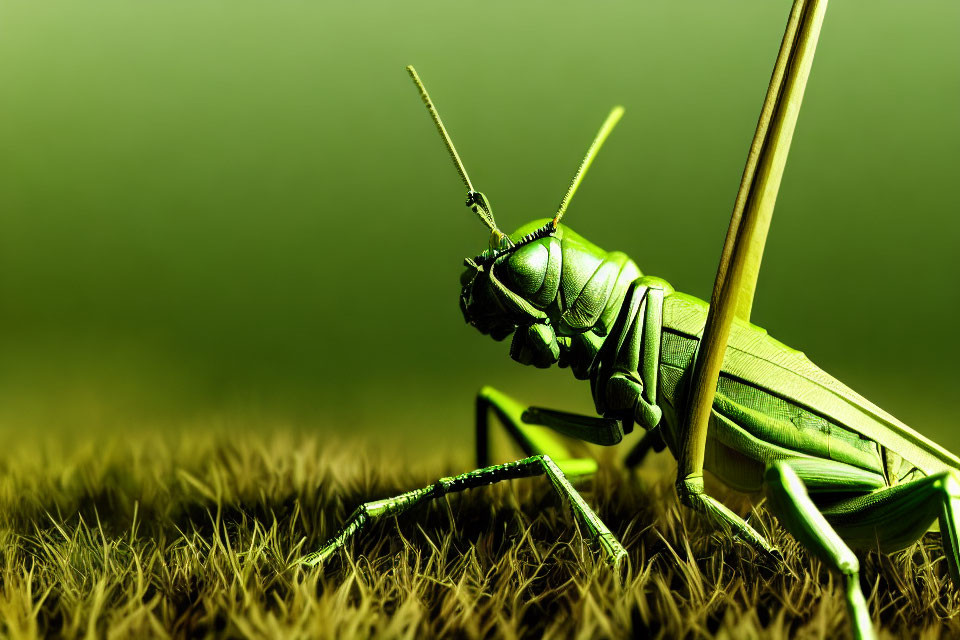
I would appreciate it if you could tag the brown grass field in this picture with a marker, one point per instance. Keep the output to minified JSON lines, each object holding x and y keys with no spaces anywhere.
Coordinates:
{"x":197,"y":536}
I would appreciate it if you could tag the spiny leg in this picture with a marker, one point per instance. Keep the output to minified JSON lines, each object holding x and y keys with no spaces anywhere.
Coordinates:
{"x":896,"y":517}
{"x":532,"y":439}
{"x":790,"y":502}
{"x":691,"y":493}
{"x":532,"y":466}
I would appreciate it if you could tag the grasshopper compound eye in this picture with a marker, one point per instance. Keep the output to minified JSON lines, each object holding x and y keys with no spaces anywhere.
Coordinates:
{"x":480,"y":306}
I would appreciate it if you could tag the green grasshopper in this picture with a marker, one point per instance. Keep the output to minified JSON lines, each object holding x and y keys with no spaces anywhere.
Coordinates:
{"x":838,"y":472}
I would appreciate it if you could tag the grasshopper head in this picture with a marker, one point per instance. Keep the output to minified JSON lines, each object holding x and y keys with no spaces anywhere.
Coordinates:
{"x":498,"y":282}
{"x":550,"y":288}
{"x":508,"y":289}
{"x":509,"y":286}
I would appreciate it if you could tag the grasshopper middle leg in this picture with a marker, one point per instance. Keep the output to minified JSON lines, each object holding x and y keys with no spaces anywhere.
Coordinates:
{"x":532,"y":439}
{"x":532,"y":466}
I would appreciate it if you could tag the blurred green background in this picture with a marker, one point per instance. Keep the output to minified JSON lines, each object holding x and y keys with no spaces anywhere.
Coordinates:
{"x":238,"y":213}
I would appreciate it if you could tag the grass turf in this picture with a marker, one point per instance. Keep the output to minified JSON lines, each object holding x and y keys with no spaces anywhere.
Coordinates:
{"x":197,"y":536}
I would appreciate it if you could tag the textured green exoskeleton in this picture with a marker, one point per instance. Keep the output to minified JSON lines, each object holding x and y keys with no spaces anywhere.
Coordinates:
{"x":717,"y":391}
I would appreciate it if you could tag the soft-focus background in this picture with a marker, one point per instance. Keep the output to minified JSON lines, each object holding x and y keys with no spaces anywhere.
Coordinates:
{"x":237,"y":214}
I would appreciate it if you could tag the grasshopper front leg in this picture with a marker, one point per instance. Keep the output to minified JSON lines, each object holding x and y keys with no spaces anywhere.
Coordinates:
{"x":540,"y":444}
{"x":370,"y":512}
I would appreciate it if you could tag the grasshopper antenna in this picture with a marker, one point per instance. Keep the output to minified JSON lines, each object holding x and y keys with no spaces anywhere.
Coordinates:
{"x":615,"y":114}
{"x":476,"y":201}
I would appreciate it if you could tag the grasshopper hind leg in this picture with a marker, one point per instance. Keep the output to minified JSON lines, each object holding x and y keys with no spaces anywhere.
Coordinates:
{"x":888,"y":518}
{"x":796,"y":511}
{"x":896,"y":517}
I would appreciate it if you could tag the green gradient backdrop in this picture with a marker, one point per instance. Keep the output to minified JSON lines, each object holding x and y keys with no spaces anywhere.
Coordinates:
{"x":240,"y":210}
